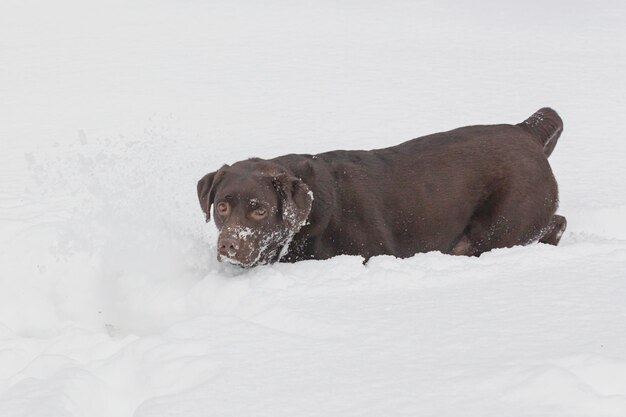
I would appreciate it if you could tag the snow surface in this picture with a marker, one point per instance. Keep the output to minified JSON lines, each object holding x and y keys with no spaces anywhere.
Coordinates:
{"x":112,"y":302}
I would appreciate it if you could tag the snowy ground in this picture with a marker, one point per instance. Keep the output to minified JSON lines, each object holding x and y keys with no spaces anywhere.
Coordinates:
{"x":112,"y":303}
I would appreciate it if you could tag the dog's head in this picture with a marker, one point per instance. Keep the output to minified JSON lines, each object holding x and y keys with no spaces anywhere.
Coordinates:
{"x":257,"y":207}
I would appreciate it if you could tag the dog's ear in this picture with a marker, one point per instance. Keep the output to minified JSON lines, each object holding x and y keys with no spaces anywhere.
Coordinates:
{"x":296,"y":199}
{"x":205,"y":186}
{"x":206,"y":190}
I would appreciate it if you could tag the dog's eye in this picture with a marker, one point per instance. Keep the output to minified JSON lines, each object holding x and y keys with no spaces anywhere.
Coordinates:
{"x":222,"y":208}
{"x":259,"y":213}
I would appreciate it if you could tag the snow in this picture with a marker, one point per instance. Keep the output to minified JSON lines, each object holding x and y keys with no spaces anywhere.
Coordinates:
{"x":112,"y":302}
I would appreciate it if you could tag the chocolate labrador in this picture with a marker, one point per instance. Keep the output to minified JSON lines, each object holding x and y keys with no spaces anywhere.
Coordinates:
{"x":462,"y":192}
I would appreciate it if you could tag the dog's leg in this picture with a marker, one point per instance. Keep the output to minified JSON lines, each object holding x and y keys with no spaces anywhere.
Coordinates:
{"x":464,"y":247}
{"x":555,"y":230}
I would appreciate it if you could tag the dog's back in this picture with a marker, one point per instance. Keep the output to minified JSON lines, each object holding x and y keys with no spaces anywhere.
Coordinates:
{"x":491,"y":184}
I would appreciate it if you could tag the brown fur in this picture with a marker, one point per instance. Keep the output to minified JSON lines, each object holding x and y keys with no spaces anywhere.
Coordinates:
{"x":461,"y":192}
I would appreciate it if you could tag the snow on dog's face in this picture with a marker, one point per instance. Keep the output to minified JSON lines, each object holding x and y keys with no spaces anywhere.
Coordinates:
{"x":257,"y":207}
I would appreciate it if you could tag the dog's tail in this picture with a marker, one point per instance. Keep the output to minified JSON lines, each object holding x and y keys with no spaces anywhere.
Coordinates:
{"x":546,"y":126}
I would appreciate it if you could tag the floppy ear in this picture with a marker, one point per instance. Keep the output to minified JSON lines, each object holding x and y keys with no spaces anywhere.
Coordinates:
{"x":206,"y":193}
{"x":205,"y":186}
{"x":296,"y":199}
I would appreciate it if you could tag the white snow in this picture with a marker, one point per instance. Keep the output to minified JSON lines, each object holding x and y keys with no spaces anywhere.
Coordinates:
{"x":112,"y":303}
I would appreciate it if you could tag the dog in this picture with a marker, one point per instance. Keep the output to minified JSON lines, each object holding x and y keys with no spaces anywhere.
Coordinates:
{"x":461,"y":192}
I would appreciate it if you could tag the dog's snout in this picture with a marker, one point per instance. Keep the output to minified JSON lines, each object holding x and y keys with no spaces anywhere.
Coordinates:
{"x":228,"y":246}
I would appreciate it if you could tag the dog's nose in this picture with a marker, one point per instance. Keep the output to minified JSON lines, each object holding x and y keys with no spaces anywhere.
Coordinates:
{"x":228,"y":246}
